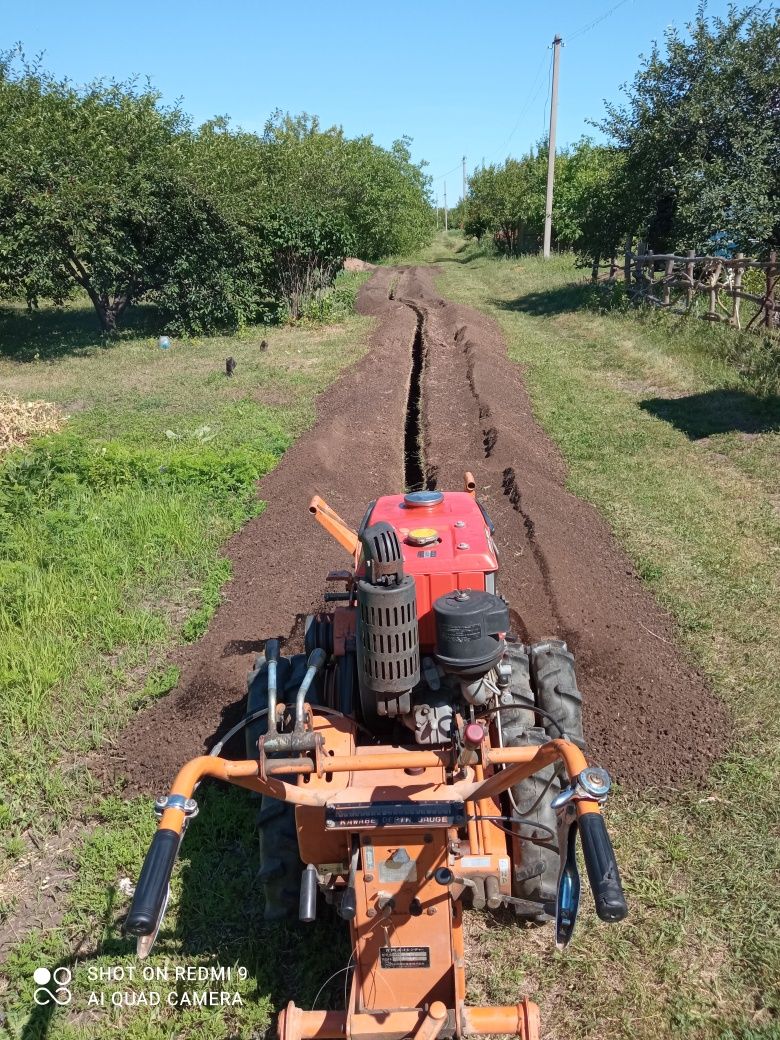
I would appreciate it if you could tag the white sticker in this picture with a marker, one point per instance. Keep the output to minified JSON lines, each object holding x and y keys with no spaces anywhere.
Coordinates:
{"x":503,"y":872}
{"x":474,"y":862}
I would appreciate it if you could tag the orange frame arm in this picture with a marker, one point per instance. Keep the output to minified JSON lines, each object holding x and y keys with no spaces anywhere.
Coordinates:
{"x":519,"y":762}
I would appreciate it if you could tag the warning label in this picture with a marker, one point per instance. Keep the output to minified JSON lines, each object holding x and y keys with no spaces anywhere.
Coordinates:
{"x":405,"y":956}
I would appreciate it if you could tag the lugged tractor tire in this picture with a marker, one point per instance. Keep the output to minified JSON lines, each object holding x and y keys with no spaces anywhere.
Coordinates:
{"x":280,"y":864}
{"x":535,"y":877}
{"x":555,"y":687}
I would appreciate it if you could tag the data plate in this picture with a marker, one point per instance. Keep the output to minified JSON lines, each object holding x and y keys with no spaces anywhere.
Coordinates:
{"x":394,"y":814}
{"x":405,"y":956}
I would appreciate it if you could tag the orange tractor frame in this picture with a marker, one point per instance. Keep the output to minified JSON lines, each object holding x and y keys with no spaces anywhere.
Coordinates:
{"x":401,"y":835}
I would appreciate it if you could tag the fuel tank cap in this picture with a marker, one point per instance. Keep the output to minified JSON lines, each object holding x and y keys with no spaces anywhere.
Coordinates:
{"x":422,"y":536}
{"x":416,"y":499}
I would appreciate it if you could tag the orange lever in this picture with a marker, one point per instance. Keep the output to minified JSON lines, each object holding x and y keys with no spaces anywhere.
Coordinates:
{"x":334,"y":525}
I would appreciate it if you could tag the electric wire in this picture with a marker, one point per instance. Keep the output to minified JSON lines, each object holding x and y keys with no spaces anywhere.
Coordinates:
{"x":596,"y":21}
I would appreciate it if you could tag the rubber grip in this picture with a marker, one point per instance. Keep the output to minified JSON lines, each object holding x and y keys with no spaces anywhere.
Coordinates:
{"x":348,"y":907}
{"x":152,"y":887}
{"x":602,"y":868}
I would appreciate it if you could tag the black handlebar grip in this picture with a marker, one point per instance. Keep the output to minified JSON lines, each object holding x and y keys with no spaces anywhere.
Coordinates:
{"x":348,"y":907}
{"x":602,"y":868}
{"x":152,"y":887}
{"x":271,"y":649}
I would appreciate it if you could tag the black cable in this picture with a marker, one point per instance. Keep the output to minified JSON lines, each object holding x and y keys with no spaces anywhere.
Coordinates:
{"x":524,"y":702}
{"x":517,"y":820}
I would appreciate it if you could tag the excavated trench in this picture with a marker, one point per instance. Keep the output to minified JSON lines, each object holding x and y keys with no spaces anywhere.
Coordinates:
{"x":414,"y":459}
{"x":436,"y":395}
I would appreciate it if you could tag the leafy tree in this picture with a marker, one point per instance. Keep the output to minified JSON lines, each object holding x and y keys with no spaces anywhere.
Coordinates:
{"x":92,"y":191}
{"x":105,"y":189}
{"x":700,"y":135}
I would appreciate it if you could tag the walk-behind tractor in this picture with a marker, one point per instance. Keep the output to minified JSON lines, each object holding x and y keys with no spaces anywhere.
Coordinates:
{"x":416,"y":760}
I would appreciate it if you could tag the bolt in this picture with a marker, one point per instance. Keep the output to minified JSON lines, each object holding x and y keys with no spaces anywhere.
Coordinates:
{"x":371,"y":912}
{"x":369,"y":877}
{"x":431,"y":911}
{"x":330,"y":823}
{"x":463,"y":545}
{"x":460,"y":523}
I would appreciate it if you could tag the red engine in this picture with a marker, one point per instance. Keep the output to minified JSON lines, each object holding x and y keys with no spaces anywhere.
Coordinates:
{"x":447,"y":544}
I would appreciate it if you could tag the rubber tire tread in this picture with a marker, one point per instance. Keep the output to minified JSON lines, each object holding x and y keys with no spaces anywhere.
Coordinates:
{"x":555,"y":685}
{"x":542,"y":888}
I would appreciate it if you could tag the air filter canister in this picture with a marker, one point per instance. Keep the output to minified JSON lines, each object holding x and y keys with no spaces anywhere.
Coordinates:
{"x":469,"y":631}
{"x":388,"y":651}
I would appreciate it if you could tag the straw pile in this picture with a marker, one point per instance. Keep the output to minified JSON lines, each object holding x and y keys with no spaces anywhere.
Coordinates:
{"x":20,"y":420}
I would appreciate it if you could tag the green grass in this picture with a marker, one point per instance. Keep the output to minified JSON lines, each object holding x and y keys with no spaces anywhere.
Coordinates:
{"x":676,"y":441}
{"x":110,"y":529}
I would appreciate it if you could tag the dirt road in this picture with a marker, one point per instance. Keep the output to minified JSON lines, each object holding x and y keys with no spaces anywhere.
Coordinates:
{"x":437,"y":375}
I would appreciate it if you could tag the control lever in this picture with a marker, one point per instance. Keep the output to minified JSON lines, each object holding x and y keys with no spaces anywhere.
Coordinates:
{"x":592,"y":785}
{"x":153,"y":890}
{"x":272,"y":661}
{"x":299,"y":740}
{"x":348,"y":907}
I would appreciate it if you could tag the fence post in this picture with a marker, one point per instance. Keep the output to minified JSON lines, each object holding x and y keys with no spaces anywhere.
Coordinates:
{"x":627,"y":264}
{"x":771,"y":275}
{"x":712,"y":313}
{"x":594,"y":270}
{"x":668,"y":274}
{"x":689,"y":273}
{"x":650,"y":275}
{"x":640,"y":271}
{"x":736,"y":289}
{"x":613,"y":268}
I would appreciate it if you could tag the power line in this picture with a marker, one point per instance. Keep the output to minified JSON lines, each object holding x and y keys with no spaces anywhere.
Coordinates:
{"x":529,"y":100}
{"x":596,"y":21}
{"x":443,"y":175}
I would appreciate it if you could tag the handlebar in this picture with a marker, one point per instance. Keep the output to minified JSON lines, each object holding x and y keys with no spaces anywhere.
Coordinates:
{"x":151,"y":892}
{"x":602,"y":867}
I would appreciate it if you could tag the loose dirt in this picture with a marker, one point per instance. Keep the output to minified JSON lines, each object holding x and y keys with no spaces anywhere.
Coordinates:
{"x":649,"y":716}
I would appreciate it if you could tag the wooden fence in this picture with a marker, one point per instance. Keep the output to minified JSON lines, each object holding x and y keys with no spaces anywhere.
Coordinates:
{"x":673,"y":283}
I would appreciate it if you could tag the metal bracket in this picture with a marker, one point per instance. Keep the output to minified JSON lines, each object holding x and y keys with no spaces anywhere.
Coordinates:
{"x":176,"y":801}
{"x":593,"y":784}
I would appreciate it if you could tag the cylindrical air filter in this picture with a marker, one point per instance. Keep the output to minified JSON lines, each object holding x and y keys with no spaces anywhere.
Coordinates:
{"x":388,"y":651}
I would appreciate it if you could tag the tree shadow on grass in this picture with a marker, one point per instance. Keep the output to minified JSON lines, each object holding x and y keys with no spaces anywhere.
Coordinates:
{"x":717,"y":411}
{"x":561,"y":300}
{"x":54,"y":332}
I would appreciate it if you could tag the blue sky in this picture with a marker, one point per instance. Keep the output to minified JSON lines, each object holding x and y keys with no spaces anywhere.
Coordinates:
{"x":458,"y":77}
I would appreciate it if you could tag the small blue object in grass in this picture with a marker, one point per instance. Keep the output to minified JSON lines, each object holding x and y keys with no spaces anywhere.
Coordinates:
{"x":164,"y":343}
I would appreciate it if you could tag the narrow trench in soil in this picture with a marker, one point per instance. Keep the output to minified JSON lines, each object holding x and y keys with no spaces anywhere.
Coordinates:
{"x":414,"y":468}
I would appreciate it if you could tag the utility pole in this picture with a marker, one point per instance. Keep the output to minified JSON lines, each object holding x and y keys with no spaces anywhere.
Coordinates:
{"x":551,"y":148}
{"x":464,"y":178}
{"x":437,"y":214}
{"x":446,"y":224}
